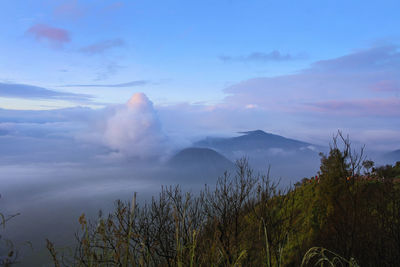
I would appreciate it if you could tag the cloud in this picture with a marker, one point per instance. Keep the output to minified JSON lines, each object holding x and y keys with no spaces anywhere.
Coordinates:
{"x":24,"y":91}
{"x":55,"y":36}
{"x":101,"y":47}
{"x":366,"y":79}
{"x":127,"y":84}
{"x":274,"y":55}
{"x":131,"y":130}
{"x":134,"y":130}
{"x":382,"y":58}
{"x":114,"y":133}
{"x":359,"y":107}
{"x":42,"y":117}
{"x":386,"y":86}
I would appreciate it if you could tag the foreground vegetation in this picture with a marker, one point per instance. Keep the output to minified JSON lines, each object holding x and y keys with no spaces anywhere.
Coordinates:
{"x":348,"y":215}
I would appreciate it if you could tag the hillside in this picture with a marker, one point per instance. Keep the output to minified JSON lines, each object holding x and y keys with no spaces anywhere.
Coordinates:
{"x":200,"y":158}
{"x":197,"y":165}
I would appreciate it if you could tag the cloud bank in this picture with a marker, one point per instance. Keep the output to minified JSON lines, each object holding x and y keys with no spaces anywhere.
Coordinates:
{"x":119,"y":132}
{"x":127,"y":84}
{"x":363,"y":83}
{"x":35,"y":92}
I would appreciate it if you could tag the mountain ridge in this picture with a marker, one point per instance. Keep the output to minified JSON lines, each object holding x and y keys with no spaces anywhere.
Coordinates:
{"x":251,"y":140}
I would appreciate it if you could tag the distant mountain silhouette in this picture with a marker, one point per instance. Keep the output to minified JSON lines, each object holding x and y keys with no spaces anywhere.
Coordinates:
{"x":252,"y":140}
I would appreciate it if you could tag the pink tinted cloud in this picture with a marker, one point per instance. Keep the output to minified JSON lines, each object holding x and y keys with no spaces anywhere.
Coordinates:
{"x":358,"y":107}
{"x":100,"y":47}
{"x":56,"y":36}
{"x":386,"y":86}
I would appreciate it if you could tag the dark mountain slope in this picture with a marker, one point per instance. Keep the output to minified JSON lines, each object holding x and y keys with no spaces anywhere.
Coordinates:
{"x":199,"y":164}
{"x":195,"y":156}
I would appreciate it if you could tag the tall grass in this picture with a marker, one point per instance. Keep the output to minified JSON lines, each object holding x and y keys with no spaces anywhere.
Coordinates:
{"x":318,"y":256}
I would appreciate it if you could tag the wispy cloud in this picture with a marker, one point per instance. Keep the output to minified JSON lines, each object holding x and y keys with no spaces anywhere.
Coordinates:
{"x":101,"y":47}
{"x":25,"y":91}
{"x":55,"y":36}
{"x":274,"y":55}
{"x":108,"y":70}
{"x":359,"y":107}
{"x":69,"y":9}
{"x":127,"y":84}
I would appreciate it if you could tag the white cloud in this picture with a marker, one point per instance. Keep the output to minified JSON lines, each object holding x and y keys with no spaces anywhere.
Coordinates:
{"x":134,"y":130}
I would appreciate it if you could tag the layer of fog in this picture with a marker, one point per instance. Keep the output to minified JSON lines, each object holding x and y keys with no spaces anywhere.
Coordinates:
{"x":51,"y":197}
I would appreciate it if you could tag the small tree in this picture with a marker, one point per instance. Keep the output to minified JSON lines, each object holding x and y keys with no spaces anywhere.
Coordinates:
{"x":338,"y":195}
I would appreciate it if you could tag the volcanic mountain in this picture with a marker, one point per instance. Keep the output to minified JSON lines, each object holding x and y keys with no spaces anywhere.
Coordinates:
{"x":288,"y":158}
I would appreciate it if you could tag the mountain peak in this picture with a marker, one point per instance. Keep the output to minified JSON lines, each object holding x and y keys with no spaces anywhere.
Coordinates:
{"x":255,"y":132}
{"x":250,"y":141}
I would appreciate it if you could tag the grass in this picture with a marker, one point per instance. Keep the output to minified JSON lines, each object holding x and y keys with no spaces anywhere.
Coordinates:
{"x":319,"y":256}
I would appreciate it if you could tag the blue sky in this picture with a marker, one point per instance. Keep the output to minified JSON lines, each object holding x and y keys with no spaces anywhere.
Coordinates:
{"x":301,"y":69}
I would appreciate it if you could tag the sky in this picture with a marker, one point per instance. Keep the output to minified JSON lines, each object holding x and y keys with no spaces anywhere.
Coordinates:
{"x":70,"y":69}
